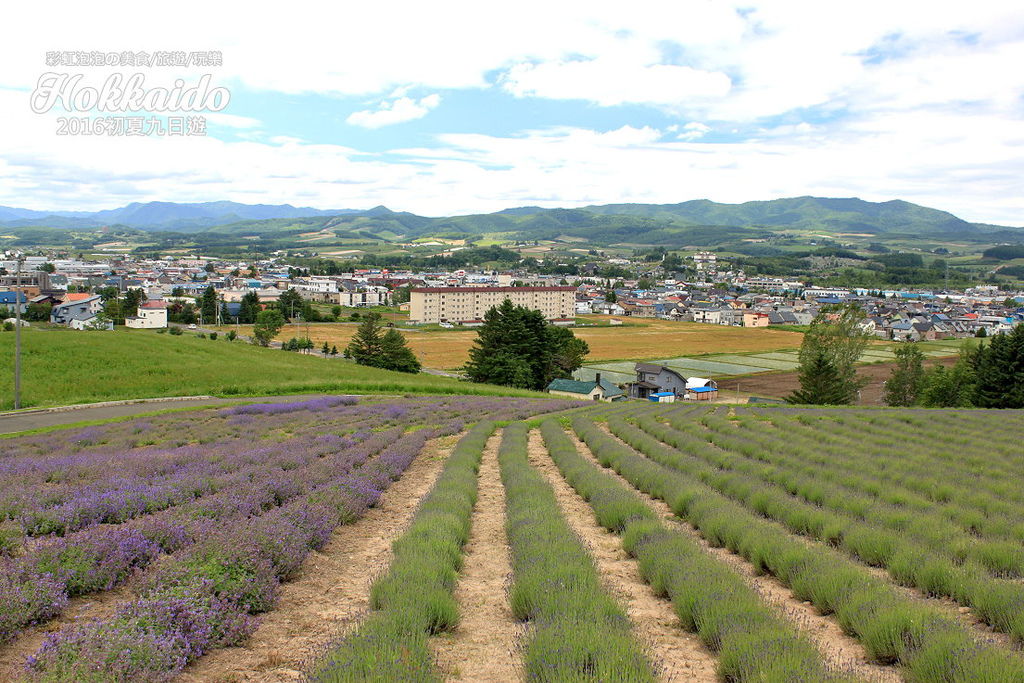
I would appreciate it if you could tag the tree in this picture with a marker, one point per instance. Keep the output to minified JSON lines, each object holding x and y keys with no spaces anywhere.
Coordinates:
{"x":907,"y":379}
{"x":289,"y":302}
{"x":611,"y":297}
{"x":225,"y":314}
{"x":365,"y":345}
{"x":568,"y":351}
{"x":398,"y":356}
{"x":268,"y":324}
{"x":334,"y":350}
{"x":208,"y":305}
{"x":820,"y":383}
{"x":336,"y":311}
{"x":401,"y":295}
{"x":999,"y":371}
{"x":35,"y":313}
{"x":325,"y":349}
{"x":833,"y":344}
{"x":48,"y":268}
{"x":517,"y":347}
{"x":949,"y":387}
{"x":249,"y":309}
{"x":132,"y":298}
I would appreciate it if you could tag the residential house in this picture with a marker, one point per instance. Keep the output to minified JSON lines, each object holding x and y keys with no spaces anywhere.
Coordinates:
{"x":8,"y":300}
{"x":151,"y":315}
{"x":653,"y":379}
{"x":76,"y":309}
{"x":597,"y":390}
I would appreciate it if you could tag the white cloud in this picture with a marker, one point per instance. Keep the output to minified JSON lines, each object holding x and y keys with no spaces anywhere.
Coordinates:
{"x":935,"y":118}
{"x":610,"y":82}
{"x":395,"y":111}
{"x":694,"y":130}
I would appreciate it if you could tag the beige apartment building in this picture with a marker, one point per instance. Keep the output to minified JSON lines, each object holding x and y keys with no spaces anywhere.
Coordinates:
{"x":467,"y":305}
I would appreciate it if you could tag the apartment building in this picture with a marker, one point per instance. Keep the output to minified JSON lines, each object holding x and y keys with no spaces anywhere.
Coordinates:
{"x":467,"y":305}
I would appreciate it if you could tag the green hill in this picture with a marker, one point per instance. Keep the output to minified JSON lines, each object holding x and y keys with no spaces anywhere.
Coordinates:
{"x":62,"y":367}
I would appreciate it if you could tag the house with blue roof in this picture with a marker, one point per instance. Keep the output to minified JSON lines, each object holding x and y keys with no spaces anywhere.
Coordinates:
{"x":9,"y":299}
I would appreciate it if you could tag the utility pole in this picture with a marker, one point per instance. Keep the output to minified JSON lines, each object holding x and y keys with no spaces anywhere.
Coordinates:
{"x":17,"y":333}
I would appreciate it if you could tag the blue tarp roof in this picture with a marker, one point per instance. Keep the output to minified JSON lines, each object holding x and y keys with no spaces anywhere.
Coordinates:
{"x":701,"y":390}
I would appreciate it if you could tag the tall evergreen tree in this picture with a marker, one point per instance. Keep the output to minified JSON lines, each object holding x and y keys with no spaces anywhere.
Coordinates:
{"x":365,"y":346}
{"x":833,"y":343}
{"x":208,"y":305}
{"x":517,"y":347}
{"x":907,"y":379}
{"x":999,"y":371}
{"x":249,"y":309}
{"x":225,"y":315}
{"x":820,"y":383}
{"x":398,"y":356}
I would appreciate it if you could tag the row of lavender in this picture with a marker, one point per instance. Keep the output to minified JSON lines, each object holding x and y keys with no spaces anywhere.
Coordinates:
{"x":275,"y":463}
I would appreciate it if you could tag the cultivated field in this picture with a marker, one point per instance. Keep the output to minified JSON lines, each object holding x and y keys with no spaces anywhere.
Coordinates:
{"x":422,"y":539}
{"x":646,"y":339}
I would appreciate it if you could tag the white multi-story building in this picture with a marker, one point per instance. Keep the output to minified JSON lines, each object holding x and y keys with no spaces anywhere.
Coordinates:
{"x":152,"y":315}
{"x":705,"y":261}
{"x":467,"y":305}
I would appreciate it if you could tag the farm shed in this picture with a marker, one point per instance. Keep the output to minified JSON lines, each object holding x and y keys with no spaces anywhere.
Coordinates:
{"x":701,"y":394}
{"x":662,"y":397}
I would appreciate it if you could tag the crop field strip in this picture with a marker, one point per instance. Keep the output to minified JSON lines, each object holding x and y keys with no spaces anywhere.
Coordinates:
{"x":576,"y":629}
{"x":927,"y":644}
{"x":803,"y":518}
{"x":918,"y":547}
{"x":288,"y":515}
{"x":758,"y":632}
{"x":483,"y":645}
{"x":678,"y":654}
{"x":331,"y":591}
{"x":413,"y":600}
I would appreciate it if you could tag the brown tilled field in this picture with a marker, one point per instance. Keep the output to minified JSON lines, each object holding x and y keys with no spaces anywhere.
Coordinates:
{"x":645,"y":339}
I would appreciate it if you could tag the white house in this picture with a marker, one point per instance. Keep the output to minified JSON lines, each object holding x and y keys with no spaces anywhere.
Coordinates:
{"x":152,"y":315}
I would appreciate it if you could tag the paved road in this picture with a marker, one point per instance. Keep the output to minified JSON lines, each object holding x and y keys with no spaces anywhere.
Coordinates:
{"x":19,"y":422}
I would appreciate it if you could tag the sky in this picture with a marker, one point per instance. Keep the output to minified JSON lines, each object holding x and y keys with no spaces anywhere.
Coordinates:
{"x":446,"y":108}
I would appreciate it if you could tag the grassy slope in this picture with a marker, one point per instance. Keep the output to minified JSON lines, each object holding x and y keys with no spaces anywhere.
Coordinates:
{"x":62,"y":367}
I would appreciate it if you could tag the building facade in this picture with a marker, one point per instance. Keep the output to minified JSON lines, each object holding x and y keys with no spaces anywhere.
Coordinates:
{"x":462,"y":305}
{"x":152,"y":315}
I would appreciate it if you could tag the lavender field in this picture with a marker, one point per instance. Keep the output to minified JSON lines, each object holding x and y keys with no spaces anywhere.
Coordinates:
{"x":205,"y":515}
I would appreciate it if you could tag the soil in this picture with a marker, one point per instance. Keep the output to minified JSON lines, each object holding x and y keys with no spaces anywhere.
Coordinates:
{"x":840,"y":652}
{"x":679,"y":655}
{"x":332,"y":589}
{"x":483,"y":647}
{"x":781,"y":384}
{"x":78,"y":610}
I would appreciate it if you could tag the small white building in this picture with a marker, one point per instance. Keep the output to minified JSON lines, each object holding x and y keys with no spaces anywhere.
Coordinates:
{"x":152,"y":315}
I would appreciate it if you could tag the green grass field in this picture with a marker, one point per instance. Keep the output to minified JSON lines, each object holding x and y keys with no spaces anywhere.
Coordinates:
{"x":62,"y":367}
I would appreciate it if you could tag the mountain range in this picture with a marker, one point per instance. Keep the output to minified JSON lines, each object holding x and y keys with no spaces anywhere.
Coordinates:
{"x":693,"y":222}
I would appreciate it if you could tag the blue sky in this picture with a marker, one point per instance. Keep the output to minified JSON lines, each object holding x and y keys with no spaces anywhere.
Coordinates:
{"x":443,"y":109}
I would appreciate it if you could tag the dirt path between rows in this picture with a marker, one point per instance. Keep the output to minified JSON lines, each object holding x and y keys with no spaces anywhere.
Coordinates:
{"x":679,"y":654}
{"x":839,"y":651}
{"x":332,"y":589}
{"x":483,"y":647}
